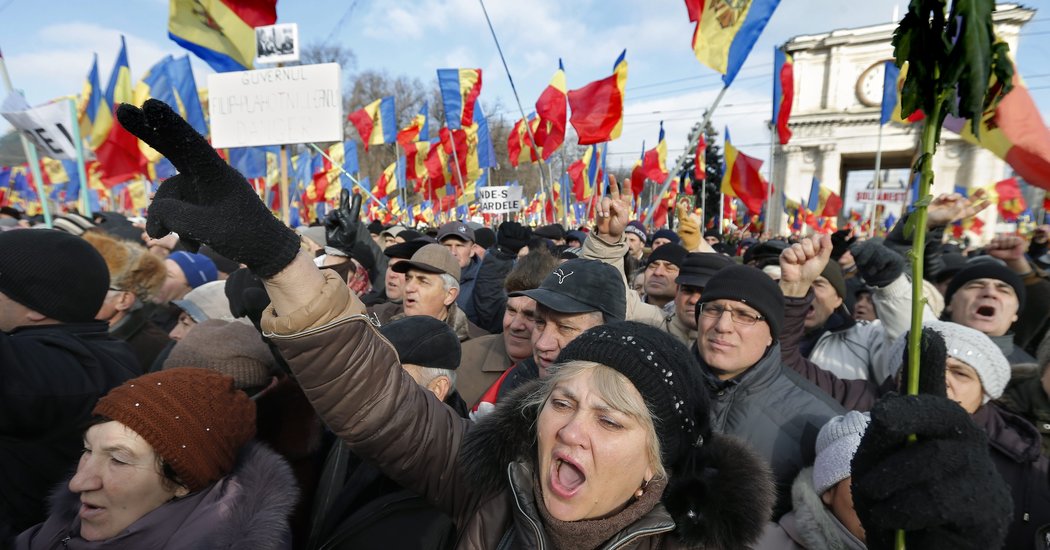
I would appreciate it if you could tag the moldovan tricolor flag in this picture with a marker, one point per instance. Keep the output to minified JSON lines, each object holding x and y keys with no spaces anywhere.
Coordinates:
{"x":459,"y":90}
{"x":597,"y":108}
{"x":375,"y":122}
{"x":654,"y":162}
{"x":519,"y":144}
{"x":892,"y":82}
{"x":742,"y":179}
{"x":221,"y":32}
{"x":783,"y":92}
{"x":552,"y":111}
{"x":96,"y":116}
{"x":727,"y":30}
{"x":700,"y":162}
{"x":1015,"y":132}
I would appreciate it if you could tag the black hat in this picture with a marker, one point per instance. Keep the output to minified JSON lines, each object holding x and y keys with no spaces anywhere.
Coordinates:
{"x":698,"y":267}
{"x":751,"y":286}
{"x":375,"y":227}
{"x":425,"y":341}
{"x":713,"y":232}
{"x":664,"y":373}
{"x":409,"y":235}
{"x":987,"y":270}
{"x":484,"y":237}
{"x":840,"y":243}
{"x":670,"y":252}
{"x":667,"y":234}
{"x":11,"y":211}
{"x":404,"y":250}
{"x":833,"y":273}
{"x":579,"y":286}
{"x":766,"y":253}
{"x":53,"y":273}
{"x":554,"y":231}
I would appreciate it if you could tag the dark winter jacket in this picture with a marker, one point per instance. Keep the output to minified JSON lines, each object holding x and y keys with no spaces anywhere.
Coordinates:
{"x":1018,"y":358}
{"x":50,"y":378}
{"x":467,"y":276}
{"x":776,"y":411}
{"x":146,"y":339}
{"x":1015,"y":449}
{"x":1032,"y":323}
{"x":489,"y":301}
{"x":854,"y":395}
{"x":247,"y":509}
{"x":476,"y":474}
{"x":1026,"y":397}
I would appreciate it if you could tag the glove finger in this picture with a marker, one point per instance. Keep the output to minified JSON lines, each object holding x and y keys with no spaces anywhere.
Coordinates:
{"x":344,"y":199}
{"x":133,"y":120}
{"x":932,"y":363}
{"x":174,"y":138}
{"x":355,"y":210}
{"x":179,"y":217}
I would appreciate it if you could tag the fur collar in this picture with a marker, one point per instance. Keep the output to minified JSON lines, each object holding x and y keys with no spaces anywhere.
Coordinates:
{"x":722,"y":501}
{"x":249,"y":508}
{"x":816,"y":526}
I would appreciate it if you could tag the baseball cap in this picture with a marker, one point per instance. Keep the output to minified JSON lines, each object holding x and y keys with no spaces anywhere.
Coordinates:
{"x":432,"y":258}
{"x":580,"y":286}
{"x":455,"y":229}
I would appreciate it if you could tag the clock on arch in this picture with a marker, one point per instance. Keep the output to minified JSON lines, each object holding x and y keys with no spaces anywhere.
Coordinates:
{"x":869,"y":85}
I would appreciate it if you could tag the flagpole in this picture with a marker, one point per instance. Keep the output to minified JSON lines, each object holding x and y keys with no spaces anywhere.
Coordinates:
{"x":681,"y":159}
{"x":455,"y":161}
{"x":282,"y":185}
{"x":352,"y":178}
{"x":85,"y":204}
{"x":878,"y":181}
{"x":513,"y":88}
{"x":769,"y":189}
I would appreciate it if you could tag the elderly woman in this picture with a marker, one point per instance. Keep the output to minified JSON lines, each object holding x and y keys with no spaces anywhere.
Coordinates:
{"x":620,"y":453}
{"x":169,"y":463}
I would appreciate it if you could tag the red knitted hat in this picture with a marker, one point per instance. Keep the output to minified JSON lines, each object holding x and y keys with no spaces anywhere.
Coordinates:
{"x":194,"y":419}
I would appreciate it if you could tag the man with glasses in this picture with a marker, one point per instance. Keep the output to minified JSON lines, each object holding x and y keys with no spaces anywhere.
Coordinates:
{"x":696,"y":270}
{"x":753,"y":396}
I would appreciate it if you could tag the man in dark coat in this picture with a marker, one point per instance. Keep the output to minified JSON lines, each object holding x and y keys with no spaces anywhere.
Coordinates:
{"x":56,"y":360}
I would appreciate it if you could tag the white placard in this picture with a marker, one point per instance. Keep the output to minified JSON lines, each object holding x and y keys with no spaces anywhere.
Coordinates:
{"x":891,"y":196}
{"x":49,"y":126}
{"x":499,"y":199}
{"x":300,"y":104}
{"x":277,"y":43}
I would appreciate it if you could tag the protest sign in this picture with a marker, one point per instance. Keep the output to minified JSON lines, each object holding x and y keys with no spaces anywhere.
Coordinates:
{"x":499,"y":199}
{"x":49,"y":125}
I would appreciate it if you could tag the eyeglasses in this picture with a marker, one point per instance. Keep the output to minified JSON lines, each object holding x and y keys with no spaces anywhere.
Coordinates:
{"x":739,"y":317}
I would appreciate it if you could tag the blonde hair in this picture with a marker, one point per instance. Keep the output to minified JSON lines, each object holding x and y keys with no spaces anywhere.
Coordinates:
{"x":615,"y":391}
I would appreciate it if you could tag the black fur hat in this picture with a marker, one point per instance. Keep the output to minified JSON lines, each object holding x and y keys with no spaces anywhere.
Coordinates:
{"x":719,"y":493}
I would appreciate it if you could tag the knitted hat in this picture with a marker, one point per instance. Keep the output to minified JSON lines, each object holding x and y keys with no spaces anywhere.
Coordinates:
{"x":670,"y":252}
{"x":207,"y":301}
{"x":424,"y":341}
{"x":972,"y":347}
{"x":72,"y":223}
{"x":667,"y":234}
{"x":987,"y":270}
{"x":698,"y":268}
{"x":485,"y":237}
{"x":193,"y":418}
{"x":664,"y":373}
{"x":53,"y":273}
{"x":233,"y":349}
{"x":197,"y":268}
{"x":833,"y":273}
{"x":635,"y":227}
{"x":131,"y":267}
{"x":749,"y":285}
{"x":837,"y":442}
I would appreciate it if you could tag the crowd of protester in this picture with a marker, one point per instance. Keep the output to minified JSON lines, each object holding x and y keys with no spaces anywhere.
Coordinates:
{"x":353,"y":385}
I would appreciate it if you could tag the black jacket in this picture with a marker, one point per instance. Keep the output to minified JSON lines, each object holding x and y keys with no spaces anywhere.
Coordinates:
{"x":489,"y":299}
{"x":776,"y":411}
{"x":145,"y":338}
{"x":1014,"y":445}
{"x":50,"y":378}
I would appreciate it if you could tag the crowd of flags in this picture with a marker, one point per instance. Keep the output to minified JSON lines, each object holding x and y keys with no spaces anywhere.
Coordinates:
{"x":444,"y":170}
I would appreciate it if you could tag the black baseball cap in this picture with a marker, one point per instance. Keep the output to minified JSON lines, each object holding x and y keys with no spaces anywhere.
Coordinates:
{"x":580,"y":286}
{"x":698,"y":267}
{"x":404,"y":250}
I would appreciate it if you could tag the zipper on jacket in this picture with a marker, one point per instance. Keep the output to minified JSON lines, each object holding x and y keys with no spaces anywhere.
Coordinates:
{"x":535,"y":528}
{"x":641,"y":533}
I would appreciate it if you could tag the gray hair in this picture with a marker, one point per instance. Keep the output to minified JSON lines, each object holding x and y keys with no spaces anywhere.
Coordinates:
{"x":449,"y":281}
{"x":429,"y":374}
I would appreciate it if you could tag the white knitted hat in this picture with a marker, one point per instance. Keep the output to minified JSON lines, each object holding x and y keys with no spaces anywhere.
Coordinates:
{"x":972,"y":347}
{"x":837,"y":442}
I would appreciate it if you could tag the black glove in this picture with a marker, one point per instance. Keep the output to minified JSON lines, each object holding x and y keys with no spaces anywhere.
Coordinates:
{"x":247,"y":295}
{"x":513,"y":236}
{"x":207,"y":201}
{"x":341,"y":224}
{"x":943,"y":489}
{"x":840,"y":244}
{"x":878,"y":265}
